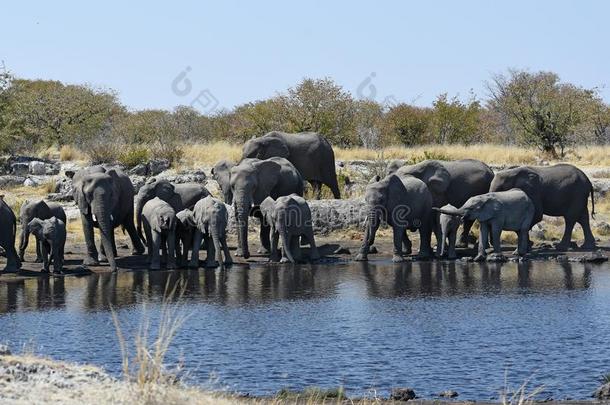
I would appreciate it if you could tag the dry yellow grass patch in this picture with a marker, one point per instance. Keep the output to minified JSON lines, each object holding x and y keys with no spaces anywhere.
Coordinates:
{"x":209,"y":153}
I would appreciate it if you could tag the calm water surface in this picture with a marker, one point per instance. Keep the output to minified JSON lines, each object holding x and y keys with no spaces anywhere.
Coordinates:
{"x":367,"y":327}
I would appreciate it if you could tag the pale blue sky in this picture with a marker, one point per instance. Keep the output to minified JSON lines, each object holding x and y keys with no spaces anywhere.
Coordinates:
{"x":245,"y":50}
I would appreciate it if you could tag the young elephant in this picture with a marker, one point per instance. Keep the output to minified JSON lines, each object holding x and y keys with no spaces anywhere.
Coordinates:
{"x":449,"y":227}
{"x":403,"y":202}
{"x":510,"y":210}
{"x":289,"y":218}
{"x":36,"y":209}
{"x":185,"y":233}
{"x":159,"y":220}
{"x":211,"y":219}
{"x":50,"y":240}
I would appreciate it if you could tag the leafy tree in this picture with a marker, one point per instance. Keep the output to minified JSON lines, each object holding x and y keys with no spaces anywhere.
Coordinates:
{"x":368,"y":119}
{"x":258,"y":118}
{"x":454,"y":121}
{"x":322,"y":106}
{"x":541,"y":109}
{"x":45,"y":112}
{"x":407,"y":124}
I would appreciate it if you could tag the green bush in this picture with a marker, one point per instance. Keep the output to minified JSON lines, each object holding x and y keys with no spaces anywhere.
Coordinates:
{"x":134,"y":156}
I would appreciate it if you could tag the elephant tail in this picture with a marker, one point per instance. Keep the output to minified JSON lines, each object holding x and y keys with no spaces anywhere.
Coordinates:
{"x":592,"y":204}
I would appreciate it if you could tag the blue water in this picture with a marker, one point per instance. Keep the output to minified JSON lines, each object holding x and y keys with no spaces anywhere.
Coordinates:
{"x":366,"y":327}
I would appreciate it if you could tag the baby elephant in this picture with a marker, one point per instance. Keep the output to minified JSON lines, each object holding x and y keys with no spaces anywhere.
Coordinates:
{"x":185,"y":233}
{"x":449,"y":227}
{"x":510,"y":210}
{"x":159,"y":220}
{"x":50,"y":240}
{"x":289,"y":218}
{"x":211,"y":219}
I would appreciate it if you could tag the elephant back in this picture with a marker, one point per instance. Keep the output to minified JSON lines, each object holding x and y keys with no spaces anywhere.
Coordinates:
{"x":469,"y":177}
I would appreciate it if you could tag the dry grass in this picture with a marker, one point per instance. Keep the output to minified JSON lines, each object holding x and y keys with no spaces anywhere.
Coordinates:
{"x":69,"y":153}
{"x":209,"y":153}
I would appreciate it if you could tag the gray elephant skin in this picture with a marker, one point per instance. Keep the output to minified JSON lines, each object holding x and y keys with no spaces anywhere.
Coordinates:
{"x":221,"y":172}
{"x":211,"y":219}
{"x":8,"y":231}
{"x":290,"y":219}
{"x":309,"y":152}
{"x":50,"y":236}
{"x":403,"y":202}
{"x":561,"y":190}
{"x":159,"y":222}
{"x":41,"y":210}
{"x":451,"y":183}
{"x":510,"y":210}
{"x":185,"y":234}
{"x":179,"y":196}
{"x":449,"y":225}
{"x":253,"y":180}
{"x":105,"y":200}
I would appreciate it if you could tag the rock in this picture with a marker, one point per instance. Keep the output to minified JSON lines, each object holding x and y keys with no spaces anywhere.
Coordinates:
{"x":4,"y":350}
{"x":156,"y":166}
{"x":37,"y":168}
{"x":602,"y":392}
{"x":342,"y":251}
{"x":402,"y":394}
{"x":331,"y":215}
{"x":538,"y":232}
{"x":30,"y":183}
{"x":185,"y":176}
{"x":596,"y":257}
{"x":496,"y":258}
{"x":139,"y":170}
{"x":11,"y":181}
{"x":448,"y":394}
{"x":20,"y":168}
{"x":602,"y":227}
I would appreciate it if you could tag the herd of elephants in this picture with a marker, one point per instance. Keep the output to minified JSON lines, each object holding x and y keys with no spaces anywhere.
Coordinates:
{"x":173,"y":220}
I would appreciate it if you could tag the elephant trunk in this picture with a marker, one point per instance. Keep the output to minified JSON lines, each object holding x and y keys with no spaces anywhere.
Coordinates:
{"x":373,"y":219}
{"x":456,"y":212}
{"x":214,"y":231}
{"x":242,"y":211}
{"x":139,"y":206}
{"x":102,"y":213}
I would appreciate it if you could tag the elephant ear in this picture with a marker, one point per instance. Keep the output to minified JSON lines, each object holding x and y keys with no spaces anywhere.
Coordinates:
{"x":267,"y":177}
{"x":79,"y":197}
{"x":489,"y":209}
{"x":437,"y":179}
{"x":165,"y":190}
{"x":273,"y":146}
{"x":268,"y":208}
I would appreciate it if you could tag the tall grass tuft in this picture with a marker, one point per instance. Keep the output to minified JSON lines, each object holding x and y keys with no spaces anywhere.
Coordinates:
{"x":143,"y":364}
{"x":520,"y":396}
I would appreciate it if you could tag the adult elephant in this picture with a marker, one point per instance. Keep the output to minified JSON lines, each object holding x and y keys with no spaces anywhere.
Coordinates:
{"x":451,"y":182}
{"x":8,"y":230}
{"x":36,"y":209}
{"x":561,"y":190}
{"x":309,"y":152}
{"x":252,"y":181}
{"x":178,"y":196}
{"x":105,"y":200}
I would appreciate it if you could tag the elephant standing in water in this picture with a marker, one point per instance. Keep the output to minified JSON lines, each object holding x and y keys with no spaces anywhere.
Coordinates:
{"x":510,"y":210}
{"x":561,"y":190}
{"x":309,"y":152}
{"x":50,"y":236}
{"x":450,"y":183}
{"x":159,"y":220}
{"x":179,"y":196}
{"x":41,"y":210}
{"x":8,"y":230}
{"x":105,"y":200}
{"x":403,"y":203}
{"x":253,"y":180}
{"x":211,"y":218}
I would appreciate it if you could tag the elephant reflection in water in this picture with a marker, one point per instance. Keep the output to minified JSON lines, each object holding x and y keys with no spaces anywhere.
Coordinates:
{"x":50,"y":292}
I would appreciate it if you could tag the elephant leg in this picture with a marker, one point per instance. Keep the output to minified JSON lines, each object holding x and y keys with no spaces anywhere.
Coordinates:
{"x":286,"y":245}
{"x":313,"y":249}
{"x":496,"y":237}
{"x":92,"y":257}
{"x":171,"y":250}
{"x":463,"y":240}
{"x":398,"y":235}
{"x":438,"y":235}
{"x":452,"y":237}
{"x":155,"y":263}
{"x":483,"y":237}
{"x":523,"y":244}
{"x":38,"y":254}
{"x":406,"y":242}
{"x":23,"y":242}
{"x":136,"y":243}
{"x":12,"y":258}
{"x":194,"y":263}
{"x":317,"y":189}
{"x":586,"y":229}
{"x":425,"y":235}
{"x":264,"y":237}
{"x":44,"y":250}
{"x":367,"y":241}
{"x":225,"y":248}
{"x":211,"y":251}
{"x":295,"y":248}
{"x":149,"y":246}
{"x":334,"y":187}
{"x":275,"y":236}
{"x":567,"y":235}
